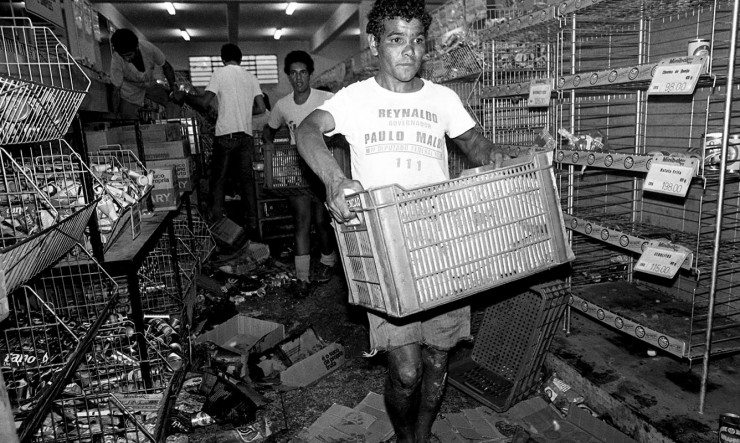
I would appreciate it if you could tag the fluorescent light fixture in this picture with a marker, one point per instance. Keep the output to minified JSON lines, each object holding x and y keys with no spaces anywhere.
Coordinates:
{"x":170,"y":8}
{"x":290,"y":9}
{"x":185,"y":35}
{"x":278,"y":33}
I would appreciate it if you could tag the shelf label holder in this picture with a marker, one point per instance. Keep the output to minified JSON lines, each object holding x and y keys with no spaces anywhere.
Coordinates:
{"x":668,"y":178}
{"x":540,"y":90}
{"x":663,"y":262}
{"x":677,"y":75}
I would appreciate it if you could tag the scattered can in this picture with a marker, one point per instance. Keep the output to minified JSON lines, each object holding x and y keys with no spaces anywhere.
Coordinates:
{"x":729,"y":428}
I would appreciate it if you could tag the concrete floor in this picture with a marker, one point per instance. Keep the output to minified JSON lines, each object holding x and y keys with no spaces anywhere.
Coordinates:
{"x":653,"y":399}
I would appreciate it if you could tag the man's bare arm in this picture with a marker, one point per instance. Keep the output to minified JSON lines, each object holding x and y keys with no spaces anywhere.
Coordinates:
{"x":313,"y":149}
{"x":479,"y":149}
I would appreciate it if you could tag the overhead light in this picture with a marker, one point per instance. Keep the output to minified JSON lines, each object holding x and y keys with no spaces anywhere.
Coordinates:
{"x":170,"y":8}
{"x":290,"y":9}
{"x":278,"y":33}
{"x":185,"y":35}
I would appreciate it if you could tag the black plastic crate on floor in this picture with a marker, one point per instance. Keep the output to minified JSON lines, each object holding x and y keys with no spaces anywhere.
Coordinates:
{"x":510,"y":345}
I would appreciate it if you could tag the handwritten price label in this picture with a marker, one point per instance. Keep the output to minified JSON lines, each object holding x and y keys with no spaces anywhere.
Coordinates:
{"x":660,"y":262}
{"x":677,"y":76}
{"x":667,"y":178}
{"x":539,"y":93}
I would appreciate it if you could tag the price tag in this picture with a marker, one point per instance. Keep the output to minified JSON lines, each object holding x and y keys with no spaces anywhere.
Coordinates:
{"x":539,"y":93}
{"x":676,"y":76}
{"x":668,"y":178}
{"x":660,"y":262}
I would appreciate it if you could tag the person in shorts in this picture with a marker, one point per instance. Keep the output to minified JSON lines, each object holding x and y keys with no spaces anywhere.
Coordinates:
{"x":308,"y":207}
{"x":395,"y":124}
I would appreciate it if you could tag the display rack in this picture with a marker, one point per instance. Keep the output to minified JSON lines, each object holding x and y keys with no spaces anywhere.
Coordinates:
{"x":41,"y":85}
{"x":607,"y":52}
{"x":70,"y":347}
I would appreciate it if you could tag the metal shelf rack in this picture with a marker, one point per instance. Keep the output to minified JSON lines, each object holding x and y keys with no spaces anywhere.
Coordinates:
{"x":41,"y":85}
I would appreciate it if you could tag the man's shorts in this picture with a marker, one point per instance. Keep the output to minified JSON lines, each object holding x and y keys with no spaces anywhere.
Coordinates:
{"x":440,"y":331}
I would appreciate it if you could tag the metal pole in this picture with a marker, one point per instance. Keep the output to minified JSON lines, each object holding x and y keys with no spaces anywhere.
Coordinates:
{"x":720,"y":205}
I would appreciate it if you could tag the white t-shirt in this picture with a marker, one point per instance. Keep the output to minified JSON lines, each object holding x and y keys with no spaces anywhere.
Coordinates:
{"x":134,"y":83}
{"x":287,"y":112}
{"x":235,"y":88}
{"x":398,"y":137}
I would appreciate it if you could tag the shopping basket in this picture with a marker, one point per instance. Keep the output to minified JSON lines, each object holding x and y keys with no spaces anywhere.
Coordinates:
{"x":415,"y":249}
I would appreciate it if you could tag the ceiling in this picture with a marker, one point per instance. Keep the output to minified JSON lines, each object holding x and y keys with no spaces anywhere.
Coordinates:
{"x":319,"y":22}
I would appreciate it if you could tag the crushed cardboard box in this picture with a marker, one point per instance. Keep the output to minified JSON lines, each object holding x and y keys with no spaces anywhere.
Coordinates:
{"x":367,"y":422}
{"x":243,"y":334}
{"x":300,"y":360}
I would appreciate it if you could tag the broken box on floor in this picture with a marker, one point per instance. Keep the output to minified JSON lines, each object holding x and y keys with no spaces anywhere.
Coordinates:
{"x":243,"y":334}
{"x":300,"y":360}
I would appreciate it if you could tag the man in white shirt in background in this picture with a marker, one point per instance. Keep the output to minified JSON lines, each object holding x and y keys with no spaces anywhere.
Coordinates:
{"x":290,"y":111}
{"x":238,"y":93}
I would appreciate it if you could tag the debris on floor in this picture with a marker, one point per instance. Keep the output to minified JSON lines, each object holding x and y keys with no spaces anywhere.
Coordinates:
{"x":254,"y":343}
{"x":367,"y":422}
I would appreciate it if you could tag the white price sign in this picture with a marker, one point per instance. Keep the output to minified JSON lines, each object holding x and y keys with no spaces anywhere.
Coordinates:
{"x":660,"y":262}
{"x":677,"y":76}
{"x":668,"y":178}
{"x":539,"y":93}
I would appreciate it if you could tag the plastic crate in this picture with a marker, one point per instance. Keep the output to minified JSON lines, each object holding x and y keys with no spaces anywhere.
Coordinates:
{"x":412,"y":250}
{"x":510,"y":347}
{"x":285,"y":171}
{"x":41,"y":85}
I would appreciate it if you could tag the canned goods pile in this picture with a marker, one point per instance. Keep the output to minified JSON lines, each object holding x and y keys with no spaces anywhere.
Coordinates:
{"x":591,"y":141}
{"x":164,"y":338}
{"x":710,"y":151}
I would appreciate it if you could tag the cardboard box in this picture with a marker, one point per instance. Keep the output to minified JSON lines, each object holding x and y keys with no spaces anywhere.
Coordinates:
{"x":123,"y":135}
{"x":185,"y":170}
{"x":96,"y":139}
{"x":166,"y":150}
{"x":227,"y":233}
{"x":165,"y":193}
{"x":306,"y":358}
{"x":162,"y":132}
{"x":243,"y":334}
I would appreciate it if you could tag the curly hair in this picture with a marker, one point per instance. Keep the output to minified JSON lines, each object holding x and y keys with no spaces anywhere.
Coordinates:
{"x":298,"y":57}
{"x":124,"y":40}
{"x":390,"y":9}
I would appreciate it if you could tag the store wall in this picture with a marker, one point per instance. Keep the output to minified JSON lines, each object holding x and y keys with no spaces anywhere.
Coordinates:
{"x":177,"y":54}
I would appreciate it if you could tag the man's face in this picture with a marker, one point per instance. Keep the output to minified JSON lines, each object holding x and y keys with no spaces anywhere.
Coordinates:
{"x":128,"y":56}
{"x":400,"y":49}
{"x":299,"y":77}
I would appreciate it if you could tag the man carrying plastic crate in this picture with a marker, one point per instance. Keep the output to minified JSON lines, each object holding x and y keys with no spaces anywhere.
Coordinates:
{"x":290,"y":111}
{"x":396,"y":124}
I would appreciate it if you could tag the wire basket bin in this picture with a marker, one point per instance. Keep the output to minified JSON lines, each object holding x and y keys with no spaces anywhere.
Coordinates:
{"x":70,"y":183}
{"x":126,"y":183}
{"x":24,"y":259}
{"x":41,"y":85}
{"x":67,"y":347}
{"x":412,"y":250}
{"x":165,"y":284}
{"x":510,"y":346}
{"x":196,"y":234}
